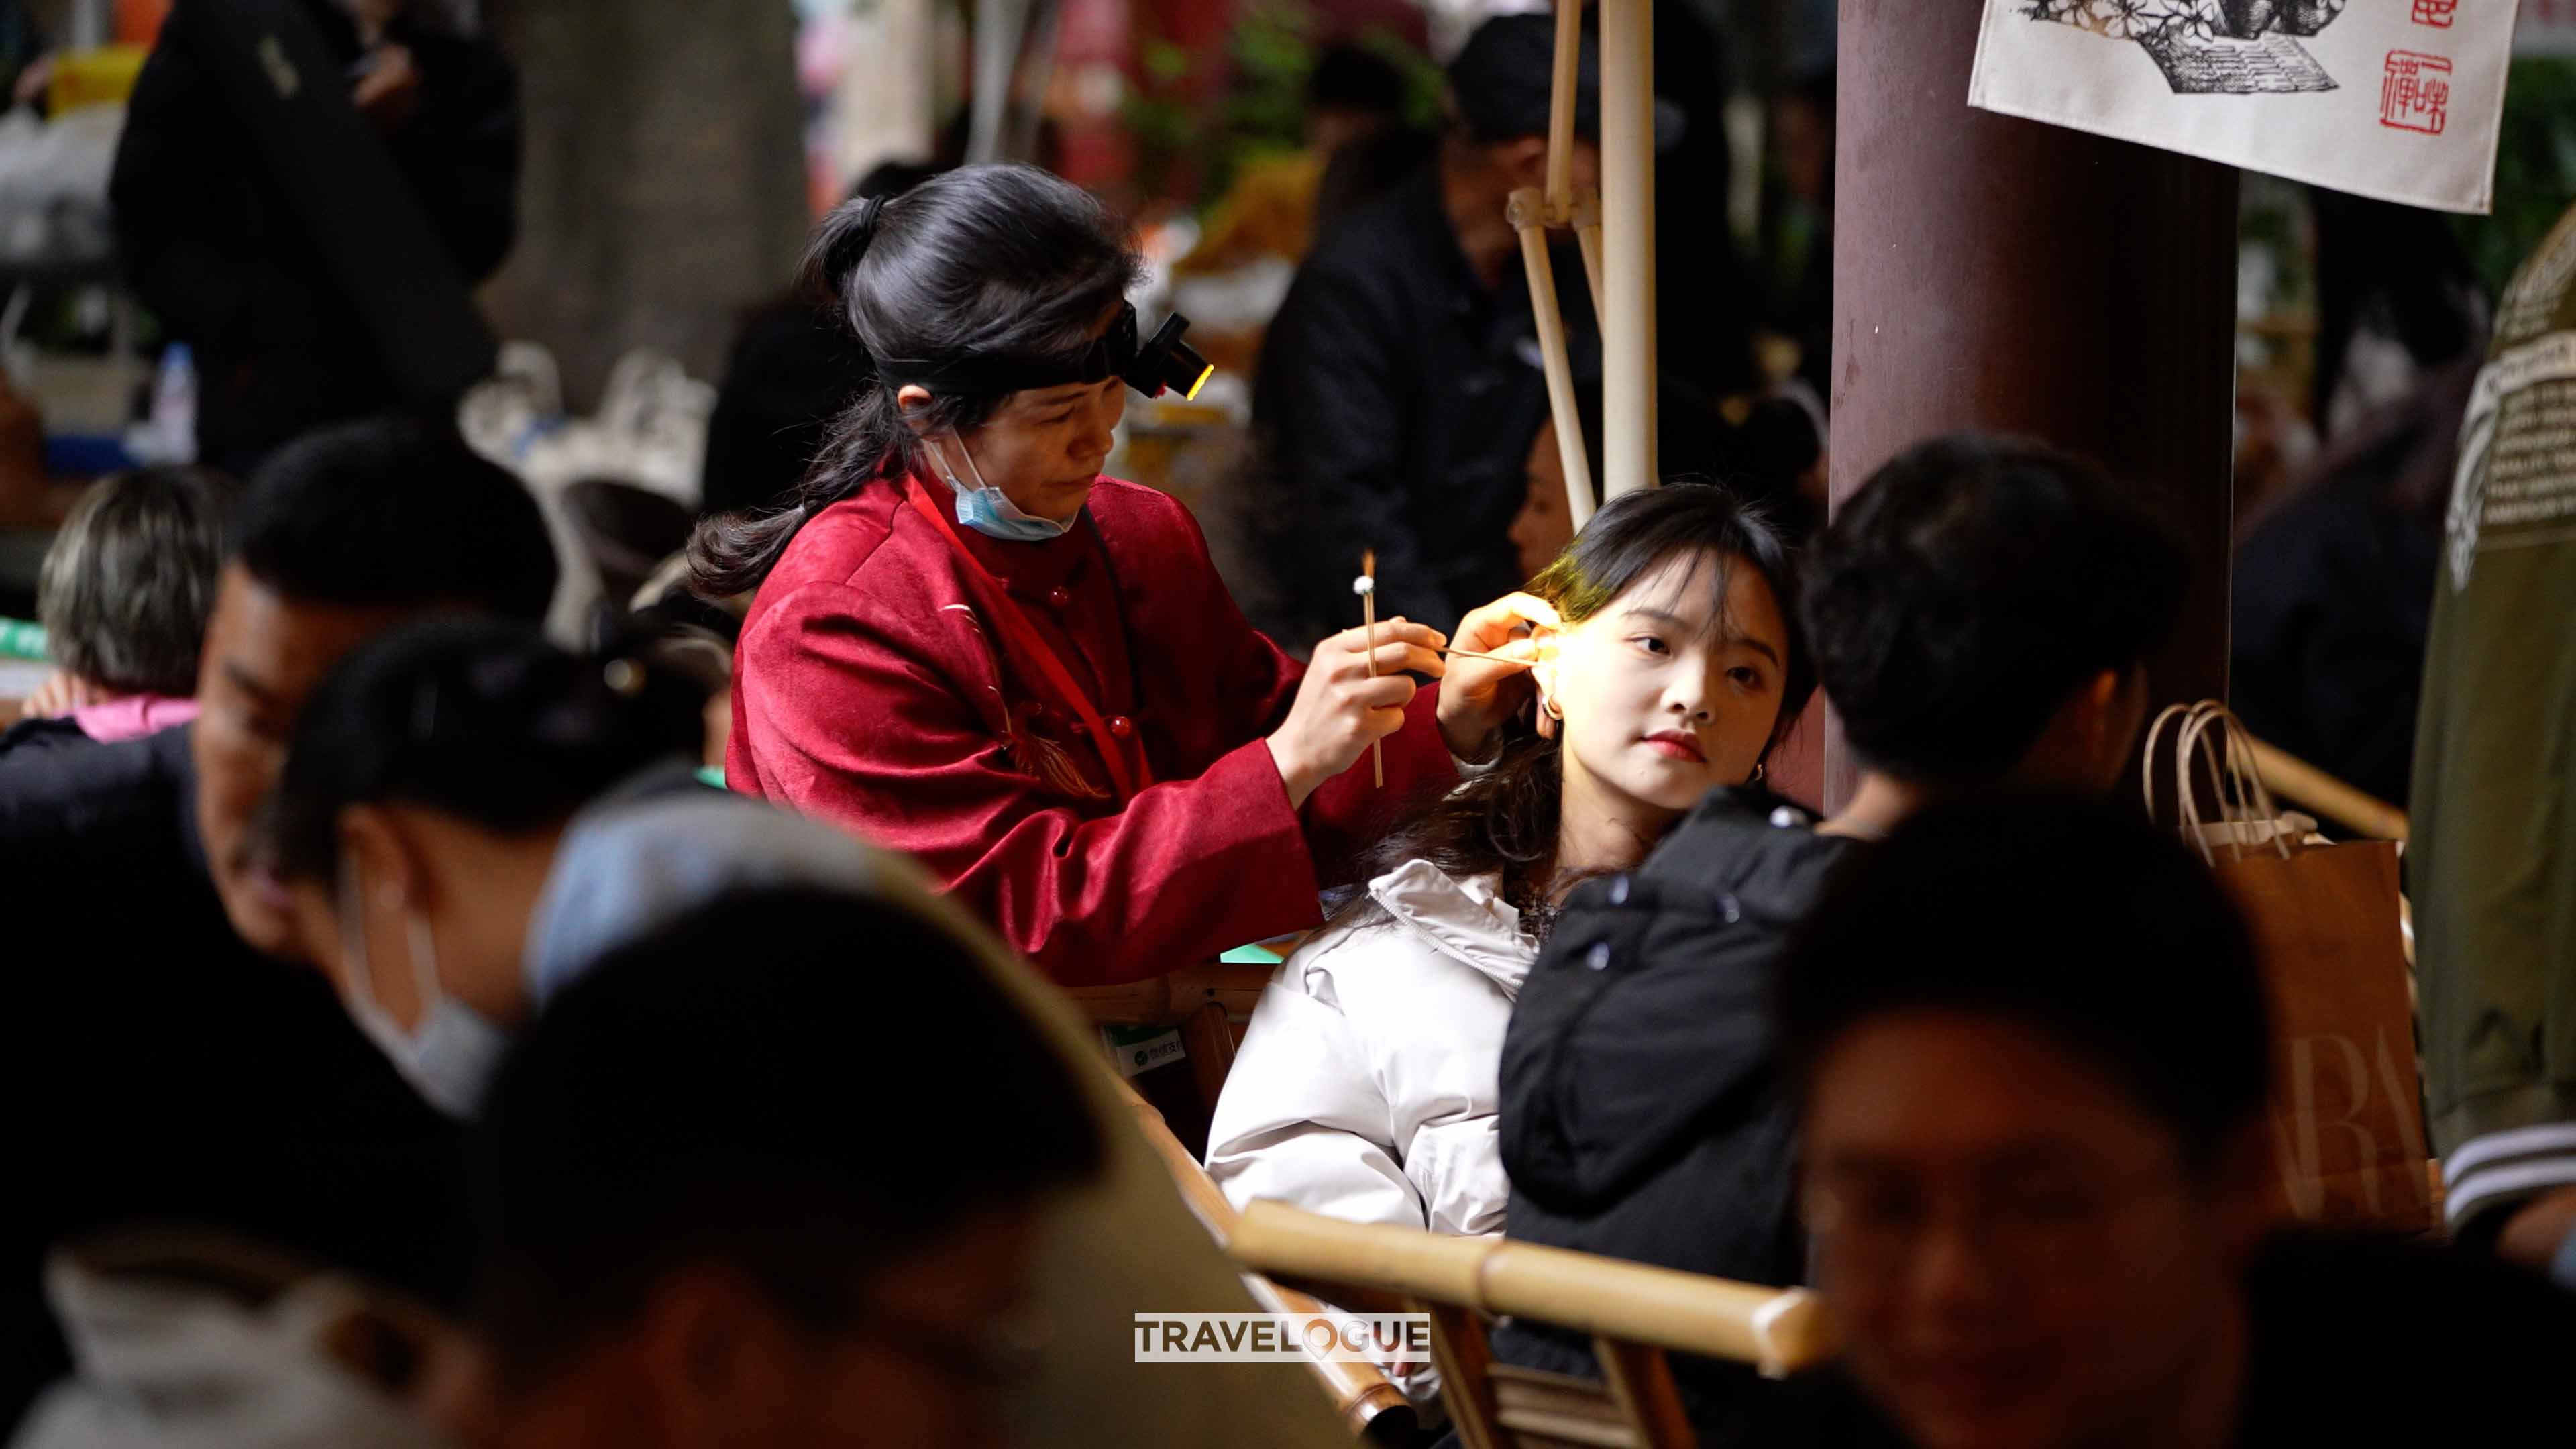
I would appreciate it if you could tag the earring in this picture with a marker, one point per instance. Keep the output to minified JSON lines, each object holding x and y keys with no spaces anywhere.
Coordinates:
{"x":1760,"y":768}
{"x":1552,"y":711}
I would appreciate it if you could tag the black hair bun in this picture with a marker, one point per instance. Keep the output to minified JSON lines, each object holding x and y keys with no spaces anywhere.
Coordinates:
{"x":842,"y":241}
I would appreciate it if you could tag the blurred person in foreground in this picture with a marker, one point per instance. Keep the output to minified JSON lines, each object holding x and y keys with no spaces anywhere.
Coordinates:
{"x":457,"y":871}
{"x":686,"y":1246}
{"x":2032,"y":1054}
{"x":174,"y":1067}
{"x":215,"y":238}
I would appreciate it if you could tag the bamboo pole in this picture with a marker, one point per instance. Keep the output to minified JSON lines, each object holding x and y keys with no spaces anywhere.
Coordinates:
{"x":1528,"y":219}
{"x":1368,"y":612}
{"x":1780,"y":1330}
{"x":1560,"y":109}
{"x":1628,"y":246}
{"x":2343,"y":804}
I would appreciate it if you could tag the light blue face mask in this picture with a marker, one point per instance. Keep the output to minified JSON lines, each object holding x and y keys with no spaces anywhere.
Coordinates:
{"x":982,"y":507}
{"x":451,"y":1059}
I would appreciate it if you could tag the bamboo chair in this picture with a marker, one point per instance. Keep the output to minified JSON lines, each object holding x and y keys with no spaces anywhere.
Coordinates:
{"x":1209,"y":1004}
{"x":1358,"y":1391}
{"x":1636,"y":1315}
{"x":2295,"y":779}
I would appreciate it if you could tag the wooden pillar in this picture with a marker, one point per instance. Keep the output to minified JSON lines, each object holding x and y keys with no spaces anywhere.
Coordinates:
{"x":2008,"y":276}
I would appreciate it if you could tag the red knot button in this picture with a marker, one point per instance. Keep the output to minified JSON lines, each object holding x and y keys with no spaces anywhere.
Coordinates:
{"x":1060,"y":596}
{"x":1120,"y":726}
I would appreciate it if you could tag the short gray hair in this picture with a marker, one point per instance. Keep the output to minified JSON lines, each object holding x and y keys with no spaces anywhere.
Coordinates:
{"x":126,"y":586}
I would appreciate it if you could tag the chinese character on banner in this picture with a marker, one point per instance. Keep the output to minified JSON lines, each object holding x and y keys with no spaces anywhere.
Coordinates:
{"x":2436,"y":13}
{"x":2416,"y":93}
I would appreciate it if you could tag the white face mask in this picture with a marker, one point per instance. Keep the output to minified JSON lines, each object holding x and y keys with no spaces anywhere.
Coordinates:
{"x":451,"y":1059}
{"x":983,"y":507}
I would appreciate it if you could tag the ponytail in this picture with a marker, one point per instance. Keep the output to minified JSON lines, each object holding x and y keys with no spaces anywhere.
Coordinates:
{"x":480,"y":719}
{"x":987,"y":259}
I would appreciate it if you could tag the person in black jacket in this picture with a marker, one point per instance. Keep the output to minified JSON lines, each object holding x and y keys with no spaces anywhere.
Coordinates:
{"x":1399,"y":385}
{"x":160,"y":1063}
{"x":214,"y":243}
{"x":2031,"y":1049}
{"x":1980,"y":614}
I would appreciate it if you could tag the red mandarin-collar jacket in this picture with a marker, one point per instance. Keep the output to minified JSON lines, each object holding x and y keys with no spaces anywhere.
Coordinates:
{"x":873,"y":687}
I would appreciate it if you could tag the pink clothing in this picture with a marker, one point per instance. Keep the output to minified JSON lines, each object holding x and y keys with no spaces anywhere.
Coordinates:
{"x":134,"y":716}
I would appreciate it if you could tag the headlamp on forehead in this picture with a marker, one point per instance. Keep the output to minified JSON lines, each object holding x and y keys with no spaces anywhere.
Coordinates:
{"x":1165,"y":364}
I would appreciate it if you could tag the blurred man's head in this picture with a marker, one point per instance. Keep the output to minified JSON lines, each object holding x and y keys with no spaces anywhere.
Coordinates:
{"x":1983,"y":610}
{"x":340,"y":534}
{"x":1352,"y":93}
{"x":2033,"y":1055}
{"x":1500,"y":88}
{"x":716,"y":1215}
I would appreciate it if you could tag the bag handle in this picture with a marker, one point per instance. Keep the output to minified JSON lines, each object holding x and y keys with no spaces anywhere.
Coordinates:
{"x":2228,"y":761}
{"x":2147,"y":756}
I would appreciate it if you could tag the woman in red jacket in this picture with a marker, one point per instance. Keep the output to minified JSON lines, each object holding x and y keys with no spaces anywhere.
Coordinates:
{"x":968,"y":645}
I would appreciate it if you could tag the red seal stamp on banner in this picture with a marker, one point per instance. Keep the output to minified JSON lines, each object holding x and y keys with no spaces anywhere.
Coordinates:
{"x":2436,"y":13}
{"x":2415,"y":94}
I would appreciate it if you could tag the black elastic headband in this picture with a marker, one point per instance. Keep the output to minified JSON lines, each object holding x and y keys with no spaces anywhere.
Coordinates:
{"x":1164,"y":363}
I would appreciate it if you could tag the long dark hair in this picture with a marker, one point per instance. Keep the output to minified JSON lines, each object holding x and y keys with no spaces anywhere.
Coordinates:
{"x":1505,"y":819}
{"x":985,"y":260}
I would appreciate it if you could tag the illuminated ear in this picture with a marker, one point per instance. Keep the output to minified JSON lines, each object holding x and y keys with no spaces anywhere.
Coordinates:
{"x":1543,"y":675}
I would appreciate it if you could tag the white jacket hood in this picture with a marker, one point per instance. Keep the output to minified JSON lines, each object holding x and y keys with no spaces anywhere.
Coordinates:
{"x":1465,"y":920}
{"x":1365,"y":1087}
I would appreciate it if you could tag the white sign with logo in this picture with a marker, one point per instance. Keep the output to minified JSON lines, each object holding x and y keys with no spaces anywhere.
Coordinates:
{"x":2397,"y":99}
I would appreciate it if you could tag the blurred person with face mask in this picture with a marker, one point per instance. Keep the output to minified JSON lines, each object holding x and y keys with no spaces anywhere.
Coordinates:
{"x":185,"y":1072}
{"x":470,"y":819}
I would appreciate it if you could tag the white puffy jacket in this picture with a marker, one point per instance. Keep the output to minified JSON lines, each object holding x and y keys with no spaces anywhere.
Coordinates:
{"x":1365,"y":1088}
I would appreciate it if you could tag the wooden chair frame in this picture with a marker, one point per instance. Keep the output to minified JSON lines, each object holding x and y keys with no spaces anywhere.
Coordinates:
{"x":1636,"y":1314}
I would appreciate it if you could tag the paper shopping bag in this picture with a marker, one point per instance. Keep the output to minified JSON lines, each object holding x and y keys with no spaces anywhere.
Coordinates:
{"x":2346,"y":1120}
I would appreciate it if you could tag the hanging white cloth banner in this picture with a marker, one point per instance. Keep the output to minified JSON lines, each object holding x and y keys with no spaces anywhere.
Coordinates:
{"x":2397,"y":99}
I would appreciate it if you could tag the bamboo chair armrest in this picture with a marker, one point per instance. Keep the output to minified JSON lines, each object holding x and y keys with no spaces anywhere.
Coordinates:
{"x":1778,"y":1330}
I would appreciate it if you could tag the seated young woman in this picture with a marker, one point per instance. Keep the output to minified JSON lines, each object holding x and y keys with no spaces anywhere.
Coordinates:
{"x":1366,"y":1087}
{"x":965,"y":643}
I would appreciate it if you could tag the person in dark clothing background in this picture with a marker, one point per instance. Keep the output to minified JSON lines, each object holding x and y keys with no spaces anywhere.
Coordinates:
{"x":160,"y":1064}
{"x":1399,"y":385}
{"x":1980,"y":614}
{"x":2032,"y":1050}
{"x":792,"y":370}
{"x":214,"y":243}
